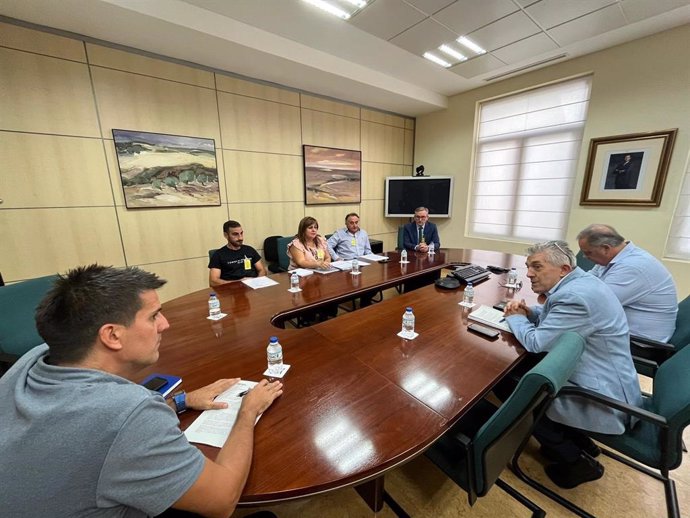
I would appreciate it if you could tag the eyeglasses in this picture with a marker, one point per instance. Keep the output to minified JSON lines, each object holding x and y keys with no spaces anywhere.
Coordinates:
{"x":555,"y":243}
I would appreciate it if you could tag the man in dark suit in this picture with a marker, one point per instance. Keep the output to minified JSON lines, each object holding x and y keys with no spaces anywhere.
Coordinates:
{"x":622,"y":174}
{"x":420,"y":233}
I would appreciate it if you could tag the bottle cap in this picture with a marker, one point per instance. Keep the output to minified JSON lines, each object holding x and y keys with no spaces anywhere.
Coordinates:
{"x":213,"y":294}
{"x":408,"y":308}
{"x":469,"y":284}
{"x":274,"y":339}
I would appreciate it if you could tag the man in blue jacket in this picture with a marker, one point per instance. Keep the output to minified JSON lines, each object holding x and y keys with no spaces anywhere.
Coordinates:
{"x":576,"y":301}
{"x":420,"y":233}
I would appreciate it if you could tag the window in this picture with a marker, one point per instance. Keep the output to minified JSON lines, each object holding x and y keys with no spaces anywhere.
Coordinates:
{"x":525,"y":163}
{"x":678,"y":245}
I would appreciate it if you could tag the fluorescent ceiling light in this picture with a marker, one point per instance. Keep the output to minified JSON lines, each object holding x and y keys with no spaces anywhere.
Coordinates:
{"x":357,"y":3}
{"x":436,"y":59}
{"x":329,"y":8}
{"x":452,"y":52}
{"x":462,"y":40}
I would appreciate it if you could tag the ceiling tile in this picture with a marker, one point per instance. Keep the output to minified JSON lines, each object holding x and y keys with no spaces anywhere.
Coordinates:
{"x":387,"y":18}
{"x":424,"y":36}
{"x":587,"y":26}
{"x":430,"y":6}
{"x":636,"y":10}
{"x":477,"y":66}
{"x":525,"y":3}
{"x":469,"y":15}
{"x":505,"y":31}
{"x":549,"y":13}
{"x":531,"y":47}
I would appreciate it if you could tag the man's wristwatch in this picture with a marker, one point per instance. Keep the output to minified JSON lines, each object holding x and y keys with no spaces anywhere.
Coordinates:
{"x":180,"y":400}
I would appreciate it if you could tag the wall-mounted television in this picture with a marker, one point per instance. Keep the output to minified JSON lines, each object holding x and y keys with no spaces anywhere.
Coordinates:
{"x":405,"y":193}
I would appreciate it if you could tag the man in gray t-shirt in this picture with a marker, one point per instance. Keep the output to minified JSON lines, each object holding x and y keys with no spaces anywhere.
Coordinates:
{"x":78,"y":438}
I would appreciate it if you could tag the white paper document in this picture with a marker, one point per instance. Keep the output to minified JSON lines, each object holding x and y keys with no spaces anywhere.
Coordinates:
{"x":375,"y":258}
{"x":302,"y":272}
{"x":326,"y":272}
{"x":346,"y":265}
{"x":259,"y":282}
{"x":212,"y":427}
{"x":490,"y":317}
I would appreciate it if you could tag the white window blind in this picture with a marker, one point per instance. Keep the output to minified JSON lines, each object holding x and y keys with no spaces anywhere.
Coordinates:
{"x":525,"y":164}
{"x":678,"y":245}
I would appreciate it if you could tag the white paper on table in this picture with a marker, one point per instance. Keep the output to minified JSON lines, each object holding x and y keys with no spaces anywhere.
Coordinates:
{"x":302,"y":272}
{"x":490,"y":317}
{"x":374,"y":257}
{"x":347,"y":265}
{"x":326,"y":272}
{"x":212,"y":427}
{"x":259,"y":282}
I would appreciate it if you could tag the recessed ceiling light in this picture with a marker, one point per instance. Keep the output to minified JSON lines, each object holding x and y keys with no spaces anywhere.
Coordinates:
{"x":436,"y":59}
{"x":452,"y":52}
{"x":329,"y":8}
{"x":462,"y":40}
{"x":357,"y":3}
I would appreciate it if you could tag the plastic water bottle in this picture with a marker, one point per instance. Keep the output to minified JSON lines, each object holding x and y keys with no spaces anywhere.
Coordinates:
{"x":294,"y":281}
{"x":431,"y":249}
{"x":355,"y":265}
{"x":403,"y":256}
{"x":274,"y":355}
{"x":408,"y":322}
{"x":213,"y":306}
{"x":468,"y":294}
{"x":512,"y":277}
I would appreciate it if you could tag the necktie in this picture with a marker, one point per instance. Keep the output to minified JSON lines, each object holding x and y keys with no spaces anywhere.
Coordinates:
{"x":420,"y":235}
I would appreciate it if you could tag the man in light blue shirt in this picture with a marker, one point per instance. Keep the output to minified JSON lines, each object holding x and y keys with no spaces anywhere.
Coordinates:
{"x":643,"y":285}
{"x":349,"y":242}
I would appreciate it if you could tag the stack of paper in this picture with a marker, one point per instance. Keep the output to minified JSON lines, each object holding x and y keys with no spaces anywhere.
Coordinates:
{"x":490,"y":317}
{"x":302,"y":272}
{"x":346,"y":265}
{"x":375,"y":258}
{"x":259,"y":282}
{"x":213,"y":426}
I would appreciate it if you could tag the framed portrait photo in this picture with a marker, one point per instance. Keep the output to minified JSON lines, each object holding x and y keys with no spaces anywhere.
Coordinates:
{"x":628,"y":169}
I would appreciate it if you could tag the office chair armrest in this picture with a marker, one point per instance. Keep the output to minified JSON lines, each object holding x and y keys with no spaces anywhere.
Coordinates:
{"x":631,"y":410}
{"x":648,"y":343}
{"x":645,"y":362}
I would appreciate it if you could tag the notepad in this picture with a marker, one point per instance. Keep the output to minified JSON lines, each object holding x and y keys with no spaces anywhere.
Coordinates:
{"x":171,"y":383}
{"x":490,"y":317}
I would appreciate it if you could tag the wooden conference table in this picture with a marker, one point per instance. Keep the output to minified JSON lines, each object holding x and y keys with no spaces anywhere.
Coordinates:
{"x":358,"y":400}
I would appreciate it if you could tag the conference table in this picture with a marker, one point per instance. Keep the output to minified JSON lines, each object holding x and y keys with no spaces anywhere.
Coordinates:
{"x":358,"y":400}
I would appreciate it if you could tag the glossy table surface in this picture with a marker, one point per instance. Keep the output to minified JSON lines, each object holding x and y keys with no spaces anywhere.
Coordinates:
{"x":358,"y":400}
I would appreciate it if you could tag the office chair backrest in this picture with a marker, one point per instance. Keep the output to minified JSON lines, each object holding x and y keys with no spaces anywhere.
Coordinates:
{"x":271,"y":249}
{"x":211,"y":252}
{"x":505,"y":432}
{"x":283,"y":259}
{"x":671,"y":399}
{"x":583,"y":262}
{"x":681,"y":336}
{"x":17,"y":307}
{"x":401,"y":239}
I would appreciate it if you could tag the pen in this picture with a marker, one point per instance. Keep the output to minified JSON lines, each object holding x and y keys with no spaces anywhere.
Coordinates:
{"x":502,"y":320}
{"x":241,"y":394}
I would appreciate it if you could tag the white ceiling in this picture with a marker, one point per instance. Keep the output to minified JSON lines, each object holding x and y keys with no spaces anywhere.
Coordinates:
{"x":374,"y":58}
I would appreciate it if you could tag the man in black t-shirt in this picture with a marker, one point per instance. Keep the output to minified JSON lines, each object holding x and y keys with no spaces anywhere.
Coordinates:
{"x":235,"y":261}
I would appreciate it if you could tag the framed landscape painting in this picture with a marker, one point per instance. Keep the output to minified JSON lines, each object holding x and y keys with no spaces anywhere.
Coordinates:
{"x":628,"y":169}
{"x":161,"y":170}
{"x":332,"y":175}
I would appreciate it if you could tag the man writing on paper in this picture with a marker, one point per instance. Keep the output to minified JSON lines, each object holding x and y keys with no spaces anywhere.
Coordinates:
{"x":420,"y":233}
{"x":643,"y":285}
{"x":235,"y":261}
{"x":575,"y":301}
{"x":80,"y":438}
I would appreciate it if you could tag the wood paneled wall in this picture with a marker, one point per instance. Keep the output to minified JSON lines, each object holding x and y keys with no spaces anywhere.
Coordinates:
{"x":62,"y":198}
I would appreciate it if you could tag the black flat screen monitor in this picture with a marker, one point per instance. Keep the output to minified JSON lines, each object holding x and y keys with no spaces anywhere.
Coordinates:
{"x":405,"y":193}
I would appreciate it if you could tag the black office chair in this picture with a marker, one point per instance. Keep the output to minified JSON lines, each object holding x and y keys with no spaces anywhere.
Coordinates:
{"x":477,"y":449}
{"x":271,"y":254}
{"x":648,"y":354}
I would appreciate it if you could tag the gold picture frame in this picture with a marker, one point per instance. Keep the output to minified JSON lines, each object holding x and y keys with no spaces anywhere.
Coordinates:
{"x":628,"y":170}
